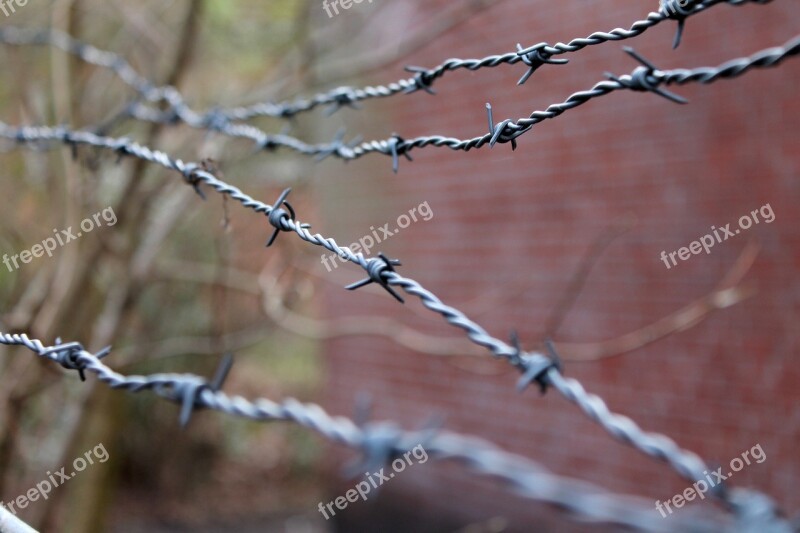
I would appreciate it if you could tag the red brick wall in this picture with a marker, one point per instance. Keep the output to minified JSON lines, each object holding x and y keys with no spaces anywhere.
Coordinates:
{"x":509,"y":230}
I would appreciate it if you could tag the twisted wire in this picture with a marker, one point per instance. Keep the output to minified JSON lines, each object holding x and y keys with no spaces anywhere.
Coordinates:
{"x":685,"y":462}
{"x":173,"y":386}
{"x":770,"y":57}
{"x":533,"y":56}
{"x":643,"y":78}
{"x":178,"y":110}
{"x":220,"y":124}
{"x":524,"y":476}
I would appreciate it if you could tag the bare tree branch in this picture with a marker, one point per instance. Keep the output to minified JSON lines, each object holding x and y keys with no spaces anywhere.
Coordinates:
{"x":727,"y":293}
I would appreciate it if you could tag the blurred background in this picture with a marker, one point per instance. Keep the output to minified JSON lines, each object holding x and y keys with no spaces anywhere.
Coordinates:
{"x":560,"y":240}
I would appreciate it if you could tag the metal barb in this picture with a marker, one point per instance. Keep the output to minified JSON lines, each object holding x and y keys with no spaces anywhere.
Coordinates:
{"x":678,"y":10}
{"x":643,"y":78}
{"x":496,"y":131}
{"x":65,"y":355}
{"x":277,"y":216}
{"x":535,"y":58}
{"x":397,"y":147}
{"x":194,"y":392}
{"x":188,"y":392}
{"x":422,"y":80}
{"x":676,"y":42}
{"x":190,"y":174}
{"x":375,"y":269}
{"x":535,"y":367}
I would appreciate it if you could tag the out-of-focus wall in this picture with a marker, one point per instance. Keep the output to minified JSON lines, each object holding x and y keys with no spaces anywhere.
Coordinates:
{"x":510,"y":228}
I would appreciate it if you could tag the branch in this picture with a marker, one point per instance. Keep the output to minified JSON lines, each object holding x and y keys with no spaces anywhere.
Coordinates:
{"x":728,"y":292}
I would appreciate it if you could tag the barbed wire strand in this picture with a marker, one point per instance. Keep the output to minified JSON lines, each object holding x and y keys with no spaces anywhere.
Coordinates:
{"x":534,"y":366}
{"x":178,"y":110}
{"x":9,"y":523}
{"x":219,"y":119}
{"x":646,"y":77}
{"x":532,"y":56}
{"x":379,"y":442}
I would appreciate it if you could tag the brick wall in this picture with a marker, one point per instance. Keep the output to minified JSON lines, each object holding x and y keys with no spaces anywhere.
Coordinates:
{"x":509,"y":230}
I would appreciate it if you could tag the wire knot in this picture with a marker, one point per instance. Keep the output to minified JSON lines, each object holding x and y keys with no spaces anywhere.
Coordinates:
{"x":343,"y":96}
{"x":422,"y":80}
{"x":122,"y":148}
{"x":338,"y":146}
{"x":216,"y":119}
{"x":271,"y":142}
{"x":268,"y":143}
{"x":377,"y":268}
{"x":645,"y":77}
{"x":191,"y":175}
{"x":68,"y":356}
{"x":534,"y":366}
{"x":379,"y":445}
{"x":755,"y":511}
{"x":504,"y":132}
{"x":187,"y":392}
{"x":279,"y":216}
{"x":383,"y":442}
{"x":398,"y":147}
{"x":677,"y":10}
{"x":535,"y":57}
{"x":69,"y":140}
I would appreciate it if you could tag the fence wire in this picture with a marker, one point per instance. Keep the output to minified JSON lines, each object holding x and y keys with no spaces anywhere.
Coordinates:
{"x":534,"y":366}
{"x":380,"y":442}
{"x":644,"y":78}
{"x":219,"y":119}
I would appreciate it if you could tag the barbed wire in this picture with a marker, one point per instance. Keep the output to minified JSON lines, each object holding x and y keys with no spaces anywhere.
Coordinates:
{"x":534,"y":366}
{"x":533,"y":57}
{"x":378,"y":442}
{"x":195,"y":392}
{"x":178,"y":111}
{"x":646,"y":77}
